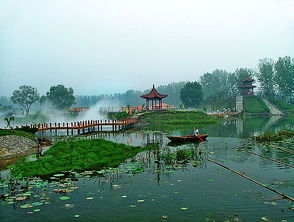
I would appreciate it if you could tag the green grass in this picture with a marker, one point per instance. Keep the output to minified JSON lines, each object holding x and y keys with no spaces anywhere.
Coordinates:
{"x":118,"y":115}
{"x":254,"y":104}
{"x":77,"y":156}
{"x":18,"y":133}
{"x":175,"y":119}
{"x":220,"y":105}
{"x":286,"y":107}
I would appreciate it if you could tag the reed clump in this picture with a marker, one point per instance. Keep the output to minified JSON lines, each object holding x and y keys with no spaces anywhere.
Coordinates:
{"x":274,"y":137}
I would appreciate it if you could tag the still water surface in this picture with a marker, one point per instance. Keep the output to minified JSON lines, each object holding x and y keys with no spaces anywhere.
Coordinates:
{"x":150,"y":190}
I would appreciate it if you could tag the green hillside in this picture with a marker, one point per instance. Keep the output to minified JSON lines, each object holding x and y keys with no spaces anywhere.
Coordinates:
{"x":254,"y":105}
{"x":283,"y":106}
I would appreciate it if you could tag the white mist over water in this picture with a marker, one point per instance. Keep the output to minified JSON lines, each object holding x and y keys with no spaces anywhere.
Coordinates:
{"x":48,"y":114}
{"x":99,"y":110}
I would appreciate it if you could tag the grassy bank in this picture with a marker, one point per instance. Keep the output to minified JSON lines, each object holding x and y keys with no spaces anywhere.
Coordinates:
{"x":118,"y":115}
{"x":285,"y":107}
{"x":255,"y":105}
{"x":77,"y":156}
{"x":175,"y":119}
{"x":220,"y":105}
{"x":18,"y":133}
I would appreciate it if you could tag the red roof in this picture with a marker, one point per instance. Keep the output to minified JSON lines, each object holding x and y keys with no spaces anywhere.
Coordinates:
{"x":153,"y":94}
{"x":247,"y":86}
{"x":247,"y":80}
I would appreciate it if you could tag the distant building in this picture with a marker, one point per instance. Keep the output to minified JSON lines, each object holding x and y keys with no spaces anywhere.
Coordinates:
{"x":246,"y":87}
{"x":154,"y":99}
{"x":80,"y":109}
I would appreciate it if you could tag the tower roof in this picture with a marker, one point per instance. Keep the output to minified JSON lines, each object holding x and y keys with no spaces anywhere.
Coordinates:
{"x":247,"y":80}
{"x":153,"y":94}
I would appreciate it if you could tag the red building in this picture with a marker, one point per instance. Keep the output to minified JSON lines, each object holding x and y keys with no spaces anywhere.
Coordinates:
{"x":246,"y":86}
{"x":155,"y":98}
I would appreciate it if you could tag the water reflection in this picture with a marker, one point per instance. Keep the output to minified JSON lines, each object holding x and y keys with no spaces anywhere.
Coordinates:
{"x":148,"y":186}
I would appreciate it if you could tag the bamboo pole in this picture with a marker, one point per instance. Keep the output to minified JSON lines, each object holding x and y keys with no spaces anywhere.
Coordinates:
{"x":290,"y":165}
{"x":252,"y":180}
{"x":280,"y":148}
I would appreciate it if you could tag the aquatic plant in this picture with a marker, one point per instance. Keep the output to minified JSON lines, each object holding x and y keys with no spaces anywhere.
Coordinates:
{"x":268,"y":137}
{"x":274,"y":137}
{"x":78,"y":156}
{"x":181,"y":155}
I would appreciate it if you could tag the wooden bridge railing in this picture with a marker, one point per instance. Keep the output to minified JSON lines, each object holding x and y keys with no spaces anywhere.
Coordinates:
{"x":90,"y":124}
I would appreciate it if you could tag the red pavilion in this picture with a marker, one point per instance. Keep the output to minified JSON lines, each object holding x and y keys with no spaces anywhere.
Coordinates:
{"x":247,"y":87}
{"x":155,"y":98}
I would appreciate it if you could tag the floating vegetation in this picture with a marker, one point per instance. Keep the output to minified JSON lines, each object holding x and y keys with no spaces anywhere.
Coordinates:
{"x":184,"y":208}
{"x":64,"y":198}
{"x":78,"y":156}
{"x":274,"y":137}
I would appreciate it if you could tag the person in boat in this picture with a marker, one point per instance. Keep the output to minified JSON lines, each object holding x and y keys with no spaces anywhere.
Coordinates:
{"x":196,"y":132}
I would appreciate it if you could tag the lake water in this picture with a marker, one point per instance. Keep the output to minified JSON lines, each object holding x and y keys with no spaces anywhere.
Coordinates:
{"x":151,"y":190}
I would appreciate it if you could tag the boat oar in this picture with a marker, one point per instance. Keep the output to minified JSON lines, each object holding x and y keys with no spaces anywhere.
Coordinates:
{"x":200,"y":138}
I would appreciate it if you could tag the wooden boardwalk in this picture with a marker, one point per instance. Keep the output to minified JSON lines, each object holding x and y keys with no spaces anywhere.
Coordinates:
{"x":88,"y":125}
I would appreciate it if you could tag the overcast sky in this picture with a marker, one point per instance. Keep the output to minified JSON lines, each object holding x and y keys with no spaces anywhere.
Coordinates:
{"x":107,"y":46}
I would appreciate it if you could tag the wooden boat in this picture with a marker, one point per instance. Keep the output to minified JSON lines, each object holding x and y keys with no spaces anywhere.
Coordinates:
{"x":188,"y":138}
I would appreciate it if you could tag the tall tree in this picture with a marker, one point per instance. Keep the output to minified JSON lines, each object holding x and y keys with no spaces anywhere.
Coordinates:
{"x":265,"y":76}
{"x":242,"y":73}
{"x":284,"y":78}
{"x":232,"y":84}
{"x":61,"y":97}
{"x":216,"y":85}
{"x":191,"y":94}
{"x":25,"y":96}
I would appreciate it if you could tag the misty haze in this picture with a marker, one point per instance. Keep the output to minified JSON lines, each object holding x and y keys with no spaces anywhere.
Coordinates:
{"x":146,"y":110}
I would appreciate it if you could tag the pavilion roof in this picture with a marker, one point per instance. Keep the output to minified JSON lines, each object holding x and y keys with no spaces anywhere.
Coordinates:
{"x":153,"y":94}
{"x":247,"y":80}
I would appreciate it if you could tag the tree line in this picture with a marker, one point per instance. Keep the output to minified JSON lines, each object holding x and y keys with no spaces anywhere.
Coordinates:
{"x":276,"y":79}
{"x":59,"y":96}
